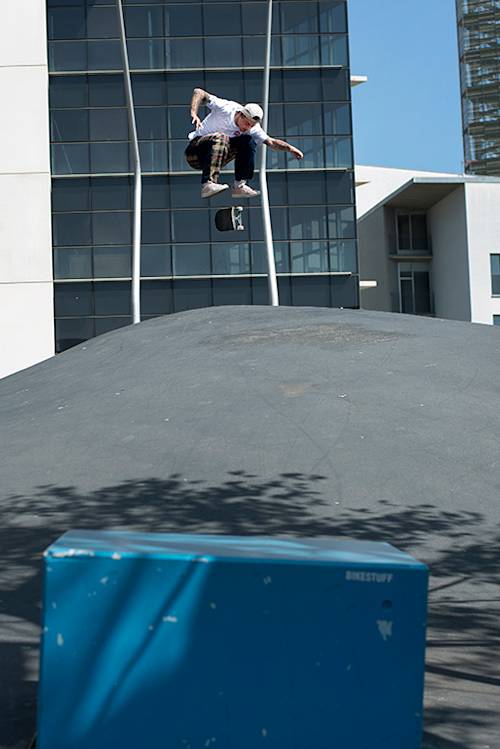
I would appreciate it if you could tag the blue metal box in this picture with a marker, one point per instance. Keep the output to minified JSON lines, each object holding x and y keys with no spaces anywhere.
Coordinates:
{"x":187,"y":642}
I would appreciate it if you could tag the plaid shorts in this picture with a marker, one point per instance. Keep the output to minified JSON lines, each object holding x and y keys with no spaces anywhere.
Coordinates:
{"x":210,"y":153}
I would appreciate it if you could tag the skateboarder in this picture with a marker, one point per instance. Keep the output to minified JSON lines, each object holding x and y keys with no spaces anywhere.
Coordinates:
{"x":230,"y":131}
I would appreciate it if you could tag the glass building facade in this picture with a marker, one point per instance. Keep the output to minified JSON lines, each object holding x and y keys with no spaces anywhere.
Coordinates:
{"x":479,"y":49}
{"x":185,"y":262}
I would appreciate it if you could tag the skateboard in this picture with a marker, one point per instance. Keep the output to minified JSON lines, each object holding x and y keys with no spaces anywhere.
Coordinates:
{"x":229,"y":219}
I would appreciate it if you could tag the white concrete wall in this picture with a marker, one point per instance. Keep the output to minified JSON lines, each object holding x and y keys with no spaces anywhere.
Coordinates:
{"x":26,"y":288}
{"x":483,"y":232}
{"x":447,"y":226}
{"x":374,"y":262}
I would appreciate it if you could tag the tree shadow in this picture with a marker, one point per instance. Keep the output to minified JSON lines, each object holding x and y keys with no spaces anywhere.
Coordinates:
{"x":463,"y":554}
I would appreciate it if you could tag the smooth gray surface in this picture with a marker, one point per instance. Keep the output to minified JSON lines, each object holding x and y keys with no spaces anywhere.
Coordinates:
{"x":270,"y":421}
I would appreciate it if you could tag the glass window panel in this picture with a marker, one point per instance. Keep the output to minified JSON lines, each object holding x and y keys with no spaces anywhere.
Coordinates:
{"x":69,"y":125}
{"x":258,"y":255}
{"x":177,"y":159}
{"x":495,"y":274}
{"x":407,"y":296}
{"x":300,"y":50}
{"x":146,"y":54}
{"x":144,"y":22}
{"x":180,"y":87}
{"x":72,"y":262}
{"x":229,"y":258}
{"x":277,"y":186}
{"x":70,"y":195}
{"x":149,"y":89}
{"x":496,"y":319}
{"x":113,"y":262}
{"x":155,"y":192}
{"x":333,"y":50}
{"x":192,"y":294}
{"x":302,"y":85}
{"x":403,"y":223}
{"x":314,"y":154}
{"x":156,"y":260}
{"x":102,"y":23}
{"x":308,"y":223}
{"x":337,"y":119}
{"x":276,"y":122}
{"x":56,"y":3}
{"x":109,"y":157}
{"x":64,"y":56}
{"x":106,"y":91}
{"x":154,"y":156}
{"x":333,"y":17}
{"x":254,"y":51}
{"x":253,"y":85}
{"x":151,"y":123}
{"x":341,"y":223}
{"x":66,"y":23}
{"x":227,"y":84}
{"x":72,"y":332}
{"x":179,"y":122}
{"x":339,"y":187}
{"x":254,"y":18}
{"x":191,"y":259}
{"x":108,"y":193}
{"x":311,"y":291}
{"x":260,"y":291}
{"x":419,"y":232}
{"x":422,"y":292}
{"x":108,"y":124}
{"x":307,"y":188}
{"x":221,"y":19}
{"x":112,"y":227}
{"x":344,"y":291}
{"x":155,"y":227}
{"x":309,"y":257}
{"x":223,"y":52}
{"x":68,"y":91}
{"x":70,"y":158}
{"x":277,"y":159}
{"x":303,"y":119}
{"x":185,"y":191}
{"x":106,"y":324}
{"x":156,"y":298}
{"x":183,"y":20}
{"x":339,"y":152}
{"x":278,"y":222}
{"x":343,"y":256}
{"x":72,"y":299}
{"x":232,"y":291}
{"x":336,"y":85}
{"x":112,"y":298}
{"x":184,"y":53}
{"x":299,"y":18}
{"x":190,"y":226}
{"x":284,"y":291}
{"x":105,"y":55}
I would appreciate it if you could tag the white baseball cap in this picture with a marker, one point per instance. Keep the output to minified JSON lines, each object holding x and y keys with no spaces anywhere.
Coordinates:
{"x":253,"y":112}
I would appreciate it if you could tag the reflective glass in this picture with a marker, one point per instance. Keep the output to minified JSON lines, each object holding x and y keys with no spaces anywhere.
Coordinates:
{"x":278,"y":221}
{"x":223,"y":52}
{"x":69,"y":125}
{"x":149,"y":89}
{"x":68,"y":91}
{"x":112,"y":227}
{"x":191,"y":294}
{"x":106,"y":91}
{"x":144,"y":22}
{"x":260,"y":292}
{"x":66,"y":23}
{"x":72,"y":331}
{"x":258,"y":254}
{"x":70,"y":196}
{"x":108,"y":193}
{"x":306,"y":189}
{"x":106,"y":324}
{"x":146,"y":54}
{"x":308,"y":223}
{"x":102,"y":23}
{"x":155,"y":192}
{"x":191,"y":259}
{"x":190,"y":226}
{"x":179,"y":121}
{"x":299,"y":18}
{"x":184,"y":53}
{"x":254,"y":51}
{"x":156,"y":298}
{"x":314,"y":154}
{"x":341,"y":223}
{"x":300,"y":50}
{"x":254,"y":18}
{"x":339,"y":187}
{"x":334,"y":50}
{"x":221,"y":19}
{"x":64,"y":56}
{"x":227,"y":84}
{"x":336,"y":85}
{"x":337,"y":119}
{"x":178,"y":161}
{"x":151,"y":123}
{"x":310,"y":291}
{"x":232,"y":291}
{"x":339,"y":152}
{"x":108,"y":124}
{"x":495,"y":274}
{"x":72,"y":262}
{"x":253,"y":85}
{"x":309,"y":257}
{"x":185,"y":191}
{"x":155,"y":227}
{"x":344,"y":291}
{"x":183,"y":20}
{"x":276,"y":124}
{"x":70,"y":158}
{"x":229,"y":258}
{"x":113,"y":262}
{"x":154,"y":155}
{"x":109,"y":157}
{"x":156,"y":260}
{"x":180,"y":86}
{"x":302,"y":85}
{"x":303,"y":119}
{"x":333,"y":17}
{"x":112,"y":298}
{"x":105,"y":55}
{"x":73,"y":299}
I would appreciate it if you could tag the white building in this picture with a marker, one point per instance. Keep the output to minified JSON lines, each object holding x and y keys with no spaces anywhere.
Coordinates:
{"x":431,"y":241}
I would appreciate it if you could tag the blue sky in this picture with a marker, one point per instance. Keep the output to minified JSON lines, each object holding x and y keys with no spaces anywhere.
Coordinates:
{"x":408,"y":113}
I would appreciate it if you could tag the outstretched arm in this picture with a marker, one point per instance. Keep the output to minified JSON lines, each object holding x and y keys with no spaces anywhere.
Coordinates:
{"x":199,"y":97}
{"x":282,"y":145}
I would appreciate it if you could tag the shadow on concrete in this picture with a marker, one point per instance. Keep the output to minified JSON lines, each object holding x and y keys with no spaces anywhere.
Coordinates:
{"x":462,"y":552}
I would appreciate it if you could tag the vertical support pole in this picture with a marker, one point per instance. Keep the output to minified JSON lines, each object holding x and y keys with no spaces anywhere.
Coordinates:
{"x":136,"y":248}
{"x":272,"y":283}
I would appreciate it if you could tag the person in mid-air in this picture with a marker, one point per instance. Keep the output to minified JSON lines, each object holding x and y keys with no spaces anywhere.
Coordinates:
{"x":230,"y":131}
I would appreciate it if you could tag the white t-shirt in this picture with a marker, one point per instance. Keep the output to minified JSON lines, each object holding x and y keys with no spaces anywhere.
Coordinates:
{"x":221,"y":120}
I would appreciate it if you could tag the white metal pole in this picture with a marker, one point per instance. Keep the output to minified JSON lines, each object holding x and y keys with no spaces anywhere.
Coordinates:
{"x":136,"y":247}
{"x":266,"y":213}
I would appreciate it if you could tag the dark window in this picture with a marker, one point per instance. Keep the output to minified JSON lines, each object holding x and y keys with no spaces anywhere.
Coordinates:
{"x":191,"y":259}
{"x":69,"y":125}
{"x":155,"y":192}
{"x":302,"y":85}
{"x":306,"y":189}
{"x":70,"y":196}
{"x":106,"y":324}
{"x":232,"y":291}
{"x":109,"y":157}
{"x":191,"y":294}
{"x":495,"y":274}
{"x":146,"y":54}
{"x":339,"y":187}
{"x":335,"y":85}
{"x":300,"y":50}
{"x":338,"y":152}
{"x":299,"y":18}
{"x":185,"y":191}
{"x":151,"y":123}
{"x":333,"y":17}
{"x":337,"y":119}
{"x":70,"y":158}
{"x":180,"y":87}
{"x":254,"y":50}
{"x":108,"y":124}
{"x":154,"y":155}
{"x":156,"y":298}
{"x":105,"y":55}
{"x":155,"y":227}
{"x":311,"y":292}
{"x":341,"y":223}
{"x":230,"y":258}
{"x":226,"y":84}
{"x":113,"y":262}
{"x":102,"y":23}
{"x":303,"y":119}
{"x":65,"y":56}
{"x":144,"y":22}
{"x":66,"y":23}
{"x":404,"y":242}
{"x":73,"y":299}
{"x":344,"y":291}
{"x":179,"y":121}
{"x":150,"y":89}
{"x":113,"y":227}
{"x":419,"y":232}
{"x":106,"y":91}
{"x":333,"y":50}
{"x":308,"y":222}
{"x":254,"y":18}
{"x":156,"y":260}
{"x":221,"y":19}
{"x":309,"y":257}
{"x":71,"y":229}
{"x":343,"y":255}
{"x":112,"y":298}
{"x":496,"y":319}
{"x":72,"y":262}
{"x":111,"y":193}
{"x":68,"y":91}
{"x":223,"y":52}
{"x":422,"y":292}
{"x":72,"y":332}
{"x":183,"y":20}
{"x":190,"y":226}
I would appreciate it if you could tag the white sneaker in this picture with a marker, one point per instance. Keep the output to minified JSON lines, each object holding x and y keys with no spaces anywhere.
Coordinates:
{"x":210,"y":189}
{"x":244,"y":191}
